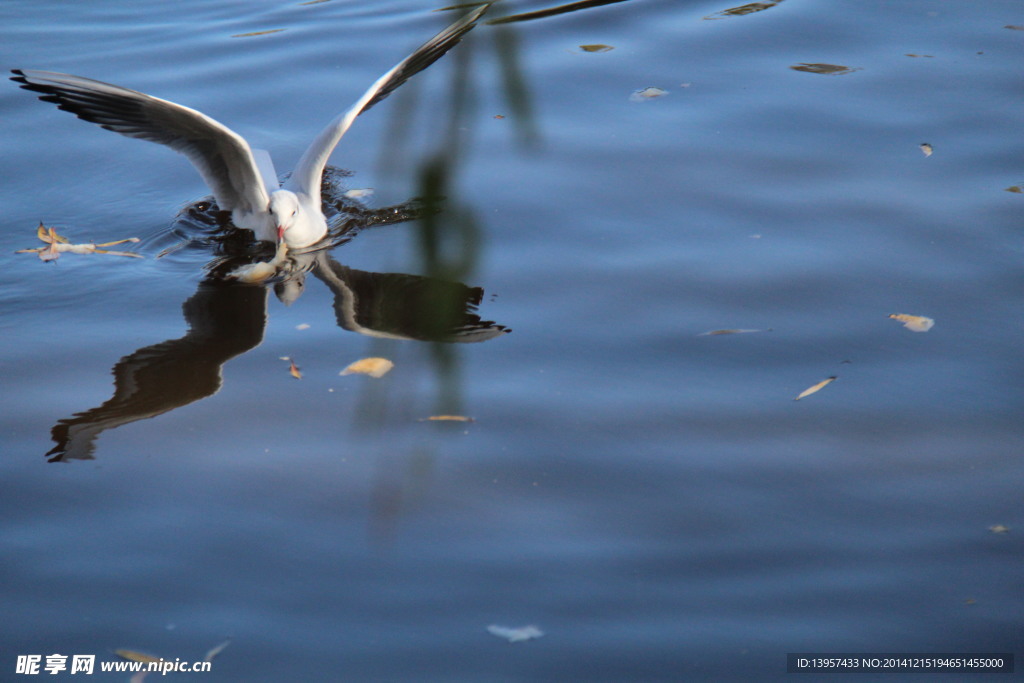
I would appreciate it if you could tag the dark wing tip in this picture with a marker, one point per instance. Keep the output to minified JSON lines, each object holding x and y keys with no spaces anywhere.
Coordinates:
{"x":22,"y":80}
{"x":429,"y":52}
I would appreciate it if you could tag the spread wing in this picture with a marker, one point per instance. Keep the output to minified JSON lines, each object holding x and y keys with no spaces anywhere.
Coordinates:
{"x":222,"y":157}
{"x":308,"y":172}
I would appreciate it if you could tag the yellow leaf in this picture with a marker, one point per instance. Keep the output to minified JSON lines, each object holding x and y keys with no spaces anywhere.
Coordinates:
{"x":216,"y":651}
{"x":133,"y":656}
{"x":815,"y":389}
{"x":447,"y":418}
{"x":647,"y":94}
{"x":914,"y":323}
{"x":294,"y":369}
{"x":255,"y":273}
{"x":374,"y":367}
{"x":927,"y":149}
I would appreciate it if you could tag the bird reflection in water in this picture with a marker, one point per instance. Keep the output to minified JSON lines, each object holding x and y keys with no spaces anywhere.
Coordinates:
{"x":226,"y":319}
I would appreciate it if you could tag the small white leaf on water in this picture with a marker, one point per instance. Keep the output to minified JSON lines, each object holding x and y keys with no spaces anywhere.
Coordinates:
{"x":216,"y":651}
{"x":714,"y":333}
{"x":515,"y":635}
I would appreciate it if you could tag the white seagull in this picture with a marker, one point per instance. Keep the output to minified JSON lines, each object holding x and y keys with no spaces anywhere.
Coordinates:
{"x":242,"y":179}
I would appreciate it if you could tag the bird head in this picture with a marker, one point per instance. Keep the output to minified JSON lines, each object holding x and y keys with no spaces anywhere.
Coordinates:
{"x":284,"y":210}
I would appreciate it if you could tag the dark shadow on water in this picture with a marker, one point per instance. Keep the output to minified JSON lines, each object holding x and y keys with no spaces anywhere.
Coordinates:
{"x":227,"y":319}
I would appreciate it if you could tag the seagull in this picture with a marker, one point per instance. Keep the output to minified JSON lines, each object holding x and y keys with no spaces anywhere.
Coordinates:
{"x":242,"y":179}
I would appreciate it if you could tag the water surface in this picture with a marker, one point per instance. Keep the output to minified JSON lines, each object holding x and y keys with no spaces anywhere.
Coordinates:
{"x":651,"y":497}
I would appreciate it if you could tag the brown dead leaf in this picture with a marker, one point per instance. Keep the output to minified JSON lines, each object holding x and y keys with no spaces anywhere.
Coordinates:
{"x":742,"y":10}
{"x":825,"y":69}
{"x":447,"y":418}
{"x":374,"y":367}
{"x":133,"y":656}
{"x":914,"y":323}
{"x":815,"y":389}
{"x":294,"y":369}
{"x":58,"y":244}
{"x":258,"y":33}
{"x":596,"y":48}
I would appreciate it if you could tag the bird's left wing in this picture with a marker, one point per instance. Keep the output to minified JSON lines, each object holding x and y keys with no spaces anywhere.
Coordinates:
{"x":221,"y":156}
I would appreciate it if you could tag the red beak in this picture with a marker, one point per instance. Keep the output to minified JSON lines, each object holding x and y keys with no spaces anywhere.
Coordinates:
{"x":280,"y":234}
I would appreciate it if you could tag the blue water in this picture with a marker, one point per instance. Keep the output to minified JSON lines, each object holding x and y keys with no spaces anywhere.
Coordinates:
{"x":651,"y":497}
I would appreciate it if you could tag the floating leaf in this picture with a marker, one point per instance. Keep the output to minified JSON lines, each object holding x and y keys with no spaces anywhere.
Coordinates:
{"x":596,"y":48}
{"x":999,"y":529}
{"x":740,"y":11}
{"x":374,"y":367}
{"x":925,"y":56}
{"x":294,"y":369}
{"x":646,"y":94}
{"x":359,"y":193}
{"x":133,"y":656}
{"x":257,"y":33}
{"x":713,"y":333}
{"x":1015,"y":188}
{"x":815,"y":389}
{"x":825,"y":69}
{"x":58,"y":244}
{"x":447,"y":418}
{"x":302,"y":326}
{"x":926,"y":148}
{"x":914,"y":323}
{"x":256,"y":273}
{"x":1014,"y":27}
{"x":216,"y":651}
{"x":515,"y":635}
{"x":499,"y":116}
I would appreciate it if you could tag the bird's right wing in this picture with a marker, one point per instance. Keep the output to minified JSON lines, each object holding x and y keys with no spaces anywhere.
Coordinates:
{"x":309,"y":171}
{"x":222,"y":157}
